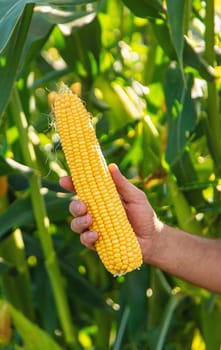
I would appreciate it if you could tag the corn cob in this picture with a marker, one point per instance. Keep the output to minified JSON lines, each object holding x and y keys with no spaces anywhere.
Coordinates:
{"x":117,"y":244}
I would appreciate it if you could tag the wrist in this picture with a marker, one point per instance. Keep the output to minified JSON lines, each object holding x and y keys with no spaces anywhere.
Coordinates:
{"x":154,"y":247}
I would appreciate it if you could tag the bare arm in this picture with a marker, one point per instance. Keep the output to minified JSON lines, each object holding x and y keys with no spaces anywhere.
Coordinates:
{"x":190,"y":257}
{"x":193,"y":258}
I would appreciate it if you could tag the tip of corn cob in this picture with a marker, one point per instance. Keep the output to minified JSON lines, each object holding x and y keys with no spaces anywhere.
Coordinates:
{"x":62,"y":89}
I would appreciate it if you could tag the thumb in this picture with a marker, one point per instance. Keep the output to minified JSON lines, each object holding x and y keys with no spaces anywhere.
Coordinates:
{"x":125,"y":189}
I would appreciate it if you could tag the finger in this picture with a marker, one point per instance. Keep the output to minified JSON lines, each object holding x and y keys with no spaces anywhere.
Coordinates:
{"x":77,"y":208}
{"x":89,"y":238}
{"x":67,"y":183}
{"x":125,"y":189}
{"x":81,"y":223}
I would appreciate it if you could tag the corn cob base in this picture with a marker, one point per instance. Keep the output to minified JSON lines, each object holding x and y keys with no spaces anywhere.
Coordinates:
{"x":117,"y":244}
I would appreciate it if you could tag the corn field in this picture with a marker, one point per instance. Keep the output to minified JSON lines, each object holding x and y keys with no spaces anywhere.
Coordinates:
{"x":149,"y":72}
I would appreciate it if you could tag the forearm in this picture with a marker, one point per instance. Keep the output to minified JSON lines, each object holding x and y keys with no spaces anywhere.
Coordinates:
{"x":190,"y":257}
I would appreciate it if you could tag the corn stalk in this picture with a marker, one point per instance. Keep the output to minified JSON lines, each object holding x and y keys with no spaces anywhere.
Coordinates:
{"x":42,"y":220}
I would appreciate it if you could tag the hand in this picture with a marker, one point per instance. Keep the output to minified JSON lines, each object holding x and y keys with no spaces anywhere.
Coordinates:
{"x":140,"y":214}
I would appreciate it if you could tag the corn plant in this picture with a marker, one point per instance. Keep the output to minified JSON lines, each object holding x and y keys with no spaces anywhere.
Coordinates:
{"x":149,"y":73}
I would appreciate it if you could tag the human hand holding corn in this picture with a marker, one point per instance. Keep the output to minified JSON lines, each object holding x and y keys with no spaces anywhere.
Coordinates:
{"x":193,"y":258}
{"x":139,"y":212}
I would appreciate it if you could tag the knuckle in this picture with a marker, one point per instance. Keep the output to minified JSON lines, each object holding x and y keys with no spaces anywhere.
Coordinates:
{"x":141,"y":194}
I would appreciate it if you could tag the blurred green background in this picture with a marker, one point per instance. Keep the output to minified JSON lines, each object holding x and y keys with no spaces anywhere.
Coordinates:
{"x":150,"y":74}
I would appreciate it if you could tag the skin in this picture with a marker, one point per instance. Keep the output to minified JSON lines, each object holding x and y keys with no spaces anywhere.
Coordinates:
{"x":189,"y":257}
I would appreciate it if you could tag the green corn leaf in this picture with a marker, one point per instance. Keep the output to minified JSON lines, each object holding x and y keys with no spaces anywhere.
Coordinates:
{"x":14,"y":25}
{"x":79,"y":49}
{"x":185,"y":172}
{"x":209,"y":312}
{"x":213,"y":208}
{"x":15,"y":284}
{"x":146,"y":8}
{"x":65,"y":2}
{"x":33,"y":337}
{"x":190,"y":56}
{"x":38,"y":33}
{"x":175,"y":11}
{"x":20,"y":212}
{"x":74,"y":15}
{"x":84,"y":290}
{"x":167,"y":319}
{"x":133,"y":296}
{"x":9,"y":166}
{"x":121,"y":331}
{"x":182,"y":208}
{"x":11,"y":11}
{"x":114,"y":95}
{"x":182,"y":115}
{"x":151,"y":147}
{"x":10,"y":57}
